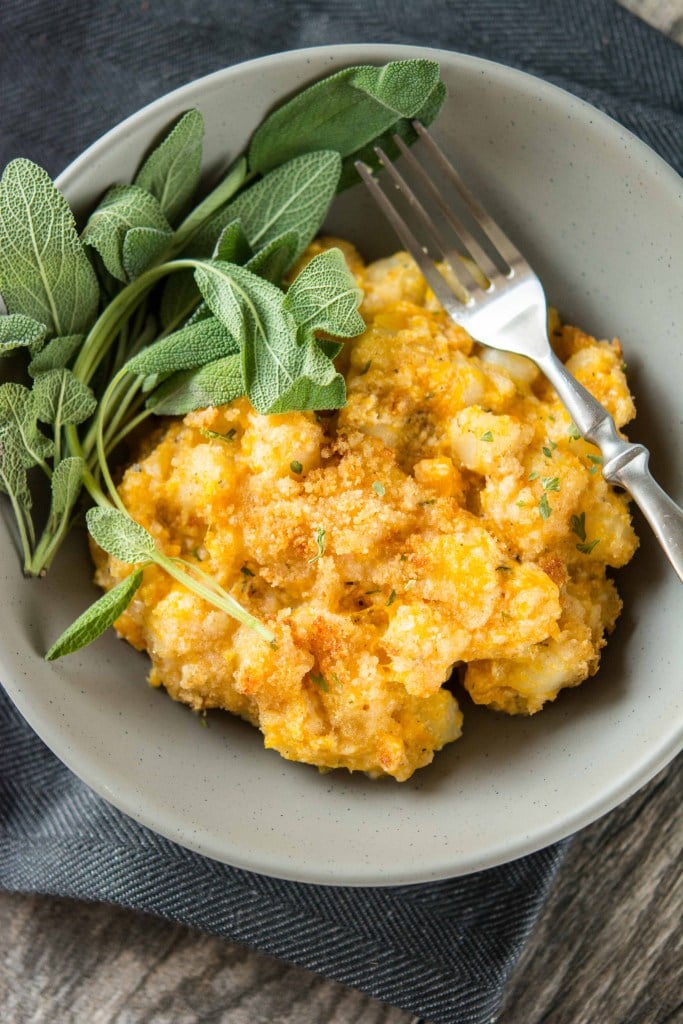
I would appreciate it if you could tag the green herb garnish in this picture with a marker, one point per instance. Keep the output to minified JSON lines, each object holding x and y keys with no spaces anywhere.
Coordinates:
{"x":214,"y":435}
{"x":578,"y":525}
{"x":550,"y":483}
{"x":392,"y":597}
{"x":378,"y":488}
{"x":320,"y":540}
{"x":486,"y":436}
{"x":549,"y":449}
{"x":597,"y":462}
{"x":544,"y":506}
{"x":296,"y":467}
{"x":319,"y":681}
{"x":165,"y":303}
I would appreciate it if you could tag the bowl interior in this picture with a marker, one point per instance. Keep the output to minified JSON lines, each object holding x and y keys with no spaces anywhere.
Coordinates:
{"x":598,"y":215}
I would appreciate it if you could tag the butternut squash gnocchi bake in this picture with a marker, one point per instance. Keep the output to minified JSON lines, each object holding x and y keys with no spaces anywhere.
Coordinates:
{"x":447,"y":522}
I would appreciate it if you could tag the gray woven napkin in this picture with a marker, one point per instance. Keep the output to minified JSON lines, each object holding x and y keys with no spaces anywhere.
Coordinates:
{"x":442,"y":950}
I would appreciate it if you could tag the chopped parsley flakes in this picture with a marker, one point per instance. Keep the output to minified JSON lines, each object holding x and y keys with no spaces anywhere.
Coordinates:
{"x":578,"y":525}
{"x":319,"y":681}
{"x":320,"y":540}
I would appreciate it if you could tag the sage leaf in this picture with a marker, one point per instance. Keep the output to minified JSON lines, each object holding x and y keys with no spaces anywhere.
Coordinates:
{"x":44,"y":271}
{"x":232,"y":245}
{"x":13,"y":480}
{"x":56,"y":354}
{"x":304,"y":379}
{"x":181,"y":295}
{"x":329,"y":347}
{"x":19,"y":417}
{"x":17,"y":331}
{"x":326,"y":297}
{"x":66,"y":484}
{"x":343,"y":112}
{"x":201,"y":312}
{"x":209,"y":206}
{"x":226,"y":291}
{"x":119,"y":535}
{"x":61,"y":398}
{"x":214,"y":384}
{"x":96,"y":619}
{"x":142,"y":247}
{"x":274,"y":260}
{"x":403,"y":128}
{"x":65,"y":487}
{"x":278,"y":369}
{"x":179,"y":298}
{"x":294,"y":197}
{"x":307,"y":394}
{"x":196,"y":345}
{"x":123,"y":208}
{"x":171,"y":171}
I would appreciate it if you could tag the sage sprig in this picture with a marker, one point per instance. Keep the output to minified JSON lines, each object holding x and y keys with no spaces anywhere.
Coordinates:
{"x":166,"y":302}
{"x":118,"y":535}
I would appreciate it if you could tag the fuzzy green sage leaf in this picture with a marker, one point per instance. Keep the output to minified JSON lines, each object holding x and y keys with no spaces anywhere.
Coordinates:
{"x":44,"y":271}
{"x":17,"y":331}
{"x":19,"y":416}
{"x":65,"y":486}
{"x":275,"y":258}
{"x":96,"y":619}
{"x":171,"y":171}
{"x":123,"y":208}
{"x":195,"y":345}
{"x":294,"y":197}
{"x":56,"y":354}
{"x":344,"y":111}
{"x":325,"y":296}
{"x":61,"y":398}
{"x":214,"y":384}
{"x":119,"y":535}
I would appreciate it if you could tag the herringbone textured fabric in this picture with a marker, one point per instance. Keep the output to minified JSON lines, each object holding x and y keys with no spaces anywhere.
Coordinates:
{"x":442,"y":950}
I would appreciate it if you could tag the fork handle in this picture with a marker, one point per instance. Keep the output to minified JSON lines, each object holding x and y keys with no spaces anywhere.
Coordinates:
{"x":624,"y":463}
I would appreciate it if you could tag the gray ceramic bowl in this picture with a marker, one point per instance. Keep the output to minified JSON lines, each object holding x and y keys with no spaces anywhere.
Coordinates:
{"x":599,"y":215}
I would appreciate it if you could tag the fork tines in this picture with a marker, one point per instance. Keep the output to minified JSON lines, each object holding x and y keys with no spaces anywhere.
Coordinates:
{"x":473,"y":263}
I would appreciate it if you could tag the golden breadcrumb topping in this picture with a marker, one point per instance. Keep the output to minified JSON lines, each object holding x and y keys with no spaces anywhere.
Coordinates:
{"x":448,"y":516}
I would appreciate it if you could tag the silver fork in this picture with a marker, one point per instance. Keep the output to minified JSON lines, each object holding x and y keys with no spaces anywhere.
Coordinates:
{"x":501,"y":303}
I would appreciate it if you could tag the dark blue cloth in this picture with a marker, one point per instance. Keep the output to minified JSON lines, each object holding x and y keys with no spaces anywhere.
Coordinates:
{"x":442,"y":950}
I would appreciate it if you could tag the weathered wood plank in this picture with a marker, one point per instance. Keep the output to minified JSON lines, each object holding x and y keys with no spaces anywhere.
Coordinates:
{"x":609,"y":945}
{"x":71,"y":962}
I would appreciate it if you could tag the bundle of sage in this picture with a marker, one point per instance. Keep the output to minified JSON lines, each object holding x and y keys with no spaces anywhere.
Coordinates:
{"x":159,"y":307}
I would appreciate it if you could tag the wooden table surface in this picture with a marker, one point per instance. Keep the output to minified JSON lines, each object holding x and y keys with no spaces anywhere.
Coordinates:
{"x":607,"y":949}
